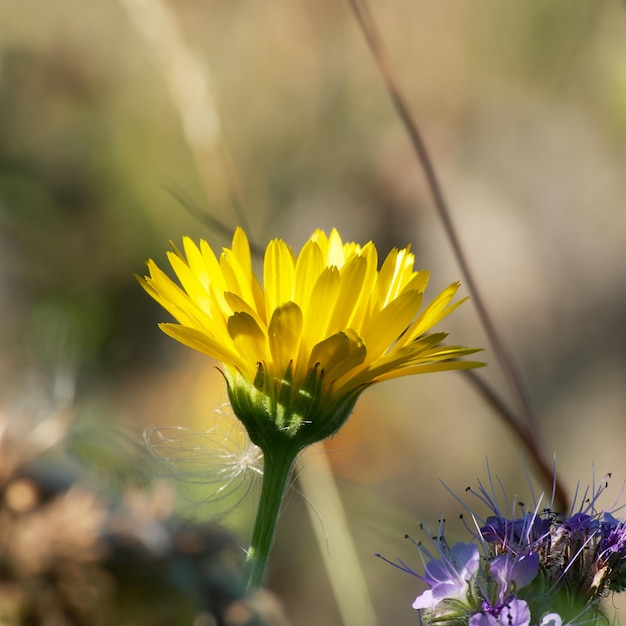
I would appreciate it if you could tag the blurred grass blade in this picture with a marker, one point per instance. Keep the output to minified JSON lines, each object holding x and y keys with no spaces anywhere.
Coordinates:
{"x":338,"y":551}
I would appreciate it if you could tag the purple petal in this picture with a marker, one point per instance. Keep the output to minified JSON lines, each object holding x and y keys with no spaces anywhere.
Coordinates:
{"x":425,"y":600}
{"x":512,"y":574}
{"x":551,"y":619}
{"x":436,"y":572}
{"x":525,"y":570}
{"x":482,"y":619}
{"x":514,"y":613}
{"x":465,"y":557}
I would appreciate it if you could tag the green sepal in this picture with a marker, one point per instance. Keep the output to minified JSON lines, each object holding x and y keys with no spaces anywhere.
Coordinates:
{"x":277,"y":413}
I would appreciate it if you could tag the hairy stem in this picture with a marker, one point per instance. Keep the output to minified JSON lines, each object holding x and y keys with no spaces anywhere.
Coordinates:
{"x":277,"y":466}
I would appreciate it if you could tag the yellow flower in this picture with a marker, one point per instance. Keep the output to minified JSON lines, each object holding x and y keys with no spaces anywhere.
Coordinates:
{"x":299,"y":349}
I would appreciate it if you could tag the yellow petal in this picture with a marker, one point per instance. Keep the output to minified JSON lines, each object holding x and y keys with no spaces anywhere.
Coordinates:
{"x":334,"y":254}
{"x":350,"y":294}
{"x":338,"y":354}
{"x":193,"y":259}
{"x":386,"y":327}
{"x":218,"y":348}
{"x":427,"y":353}
{"x":249,"y":339}
{"x":278,"y":272}
{"x":238,"y":305}
{"x":435,"y":312}
{"x":321,"y":239}
{"x":171,"y":297}
{"x":236,"y":265}
{"x":362,"y":310}
{"x":259,"y":298}
{"x":330,"y":306}
{"x":284,"y":332}
{"x":236,"y":276}
{"x":212,"y":266}
{"x":427,"y":368}
{"x":320,"y":307}
{"x":350,"y":250}
{"x":396,"y":272}
{"x":241,"y":249}
{"x":419,"y":282}
{"x":309,"y":266}
{"x":394,"y":359}
{"x":407,"y":355}
{"x":198,"y":293}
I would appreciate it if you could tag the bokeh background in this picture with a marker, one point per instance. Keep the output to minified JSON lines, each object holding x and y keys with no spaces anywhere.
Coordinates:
{"x":126,"y":124}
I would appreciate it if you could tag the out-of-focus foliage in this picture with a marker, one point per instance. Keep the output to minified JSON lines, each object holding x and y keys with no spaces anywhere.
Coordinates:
{"x":75,"y":554}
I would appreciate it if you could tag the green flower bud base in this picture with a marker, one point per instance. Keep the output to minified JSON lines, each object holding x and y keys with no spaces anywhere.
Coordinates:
{"x":281,"y":419}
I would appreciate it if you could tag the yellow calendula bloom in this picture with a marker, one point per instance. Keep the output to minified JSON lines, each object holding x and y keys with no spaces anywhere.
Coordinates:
{"x":299,"y":348}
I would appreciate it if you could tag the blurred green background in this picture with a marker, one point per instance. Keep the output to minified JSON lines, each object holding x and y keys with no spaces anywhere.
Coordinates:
{"x":126,"y":124}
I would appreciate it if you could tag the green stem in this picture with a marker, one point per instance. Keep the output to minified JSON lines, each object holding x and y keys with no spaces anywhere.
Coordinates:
{"x":276,"y":471}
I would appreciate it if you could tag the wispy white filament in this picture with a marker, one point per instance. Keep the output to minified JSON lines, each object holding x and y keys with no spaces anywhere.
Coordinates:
{"x":219,"y":466}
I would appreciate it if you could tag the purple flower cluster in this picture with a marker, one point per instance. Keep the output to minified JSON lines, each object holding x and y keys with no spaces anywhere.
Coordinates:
{"x":582,"y":555}
{"x":541,"y":568}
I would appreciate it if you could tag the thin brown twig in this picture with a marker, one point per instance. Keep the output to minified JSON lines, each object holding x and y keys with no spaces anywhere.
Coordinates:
{"x":374,"y":40}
